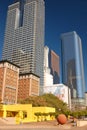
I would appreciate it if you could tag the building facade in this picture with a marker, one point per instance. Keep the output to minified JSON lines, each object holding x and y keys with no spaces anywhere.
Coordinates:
{"x":24,"y":36}
{"x":51,"y":67}
{"x":48,"y":77}
{"x":61,"y":91}
{"x":28,"y":85}
{"x":9,"y":75}
{"x":25,"y":113}
{"x":54,"y":66}
{"x":72,"y":64}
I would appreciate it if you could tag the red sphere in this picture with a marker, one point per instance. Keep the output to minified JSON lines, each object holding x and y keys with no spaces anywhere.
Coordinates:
{"x":62,"y":119}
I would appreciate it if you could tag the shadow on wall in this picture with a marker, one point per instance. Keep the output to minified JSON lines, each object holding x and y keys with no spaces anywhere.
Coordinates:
{"x":56,"y":78}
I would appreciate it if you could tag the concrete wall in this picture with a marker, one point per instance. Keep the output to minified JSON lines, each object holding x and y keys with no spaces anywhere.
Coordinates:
{"x":81,"y":123}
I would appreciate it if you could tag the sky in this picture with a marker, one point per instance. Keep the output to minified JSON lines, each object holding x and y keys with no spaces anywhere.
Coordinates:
{"x":61,"y":16}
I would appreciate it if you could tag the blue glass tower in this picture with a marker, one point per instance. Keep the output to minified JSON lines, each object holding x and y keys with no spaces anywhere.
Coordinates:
{"x":72,"y":64}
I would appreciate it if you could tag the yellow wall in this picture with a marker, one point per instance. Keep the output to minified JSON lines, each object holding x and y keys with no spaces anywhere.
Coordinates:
{"x":20,"y":109}
{"x":42,"y":110}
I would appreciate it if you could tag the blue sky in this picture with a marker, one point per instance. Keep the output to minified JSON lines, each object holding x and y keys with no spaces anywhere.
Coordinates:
{"x":60,"y":16}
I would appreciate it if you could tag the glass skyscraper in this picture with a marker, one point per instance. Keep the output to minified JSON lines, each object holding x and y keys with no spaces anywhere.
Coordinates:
{"x":72,"y":64}
{"x":24,"y":36}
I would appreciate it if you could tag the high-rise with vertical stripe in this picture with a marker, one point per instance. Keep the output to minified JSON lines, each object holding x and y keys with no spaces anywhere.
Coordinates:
{"x":72,"y":66}
{"x":24,"y":36}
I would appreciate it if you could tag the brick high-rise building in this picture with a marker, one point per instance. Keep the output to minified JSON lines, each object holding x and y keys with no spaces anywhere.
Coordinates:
{"x":9,"y":74}
{"x":28,"y":85}
{"x":54,"y":66}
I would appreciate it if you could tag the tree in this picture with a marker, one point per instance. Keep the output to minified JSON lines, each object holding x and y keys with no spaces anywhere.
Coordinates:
{"x":34,"y":100}
{"x":53,"y":101}
{"x":48,"y":100}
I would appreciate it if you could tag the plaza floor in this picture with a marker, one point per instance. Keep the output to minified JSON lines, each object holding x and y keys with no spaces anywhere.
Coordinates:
{"x":48,"y":125}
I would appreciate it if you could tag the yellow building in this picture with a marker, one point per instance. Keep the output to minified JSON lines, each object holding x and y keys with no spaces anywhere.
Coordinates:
{"x":24,"y":113}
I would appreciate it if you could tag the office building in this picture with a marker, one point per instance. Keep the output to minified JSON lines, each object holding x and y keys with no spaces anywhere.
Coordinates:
{"x":29,"y":84}
{"x":24,"y":36}
{"x":61,"y":91}
{"x":86,"y":99}
{"x":9,"y":75}
{"x":54,"y":66}
{"x":51,"y":67}
{"x":48,"y":77}
{"x":72,"y":65}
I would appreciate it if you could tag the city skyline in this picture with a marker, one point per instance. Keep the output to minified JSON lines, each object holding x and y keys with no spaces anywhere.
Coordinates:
{"x":61,"y":17}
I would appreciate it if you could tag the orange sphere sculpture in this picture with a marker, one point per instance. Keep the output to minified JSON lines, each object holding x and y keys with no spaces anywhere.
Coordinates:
{"x":62,"y":119}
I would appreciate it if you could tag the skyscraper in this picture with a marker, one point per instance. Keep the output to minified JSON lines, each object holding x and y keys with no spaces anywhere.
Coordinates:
{"x":72,"y":64}
{"x":24,"y":36}
{"x":54,"y":66}
{"x":51,"y":67}
{"x":48,"y":77}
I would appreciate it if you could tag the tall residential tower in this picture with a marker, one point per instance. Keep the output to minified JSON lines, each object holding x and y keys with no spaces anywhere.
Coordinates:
{"x":72,"y":65}
{"x":24,"y":36}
